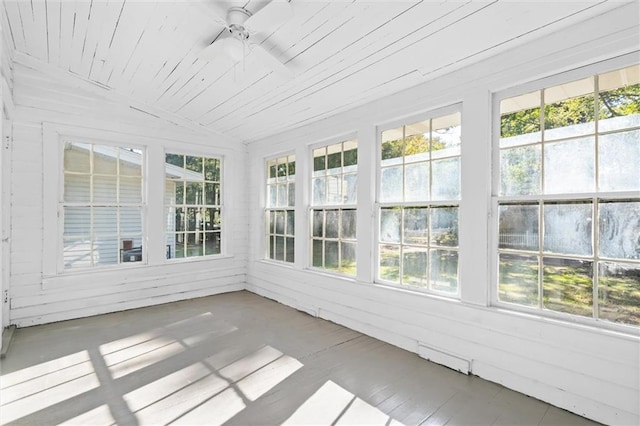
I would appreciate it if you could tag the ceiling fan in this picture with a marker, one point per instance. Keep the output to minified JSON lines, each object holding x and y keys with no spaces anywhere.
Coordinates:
{"x":240,"y":26}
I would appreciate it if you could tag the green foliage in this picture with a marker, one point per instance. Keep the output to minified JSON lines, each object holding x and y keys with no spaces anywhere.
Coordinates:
{"x":411,"y":145}
{"x":613,"y":103}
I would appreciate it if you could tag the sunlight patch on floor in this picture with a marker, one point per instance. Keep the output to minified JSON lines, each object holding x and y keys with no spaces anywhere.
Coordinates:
{"x":332,"y":404}
{"x":35,"y":388}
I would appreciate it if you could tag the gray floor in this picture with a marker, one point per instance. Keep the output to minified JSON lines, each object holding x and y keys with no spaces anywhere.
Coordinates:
{"x":239,"y":359}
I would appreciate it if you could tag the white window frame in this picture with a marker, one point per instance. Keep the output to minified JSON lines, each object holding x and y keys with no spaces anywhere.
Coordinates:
{"x":54,"y":138}
{"x":221,"y":206}
{"x":428,"y":115}
{"x":268,"y":209}
{"x":591,"y":197}
{"x":324,"y":207}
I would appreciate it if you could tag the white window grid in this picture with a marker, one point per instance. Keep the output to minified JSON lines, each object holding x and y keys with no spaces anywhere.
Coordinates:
{"x":280,"y":209}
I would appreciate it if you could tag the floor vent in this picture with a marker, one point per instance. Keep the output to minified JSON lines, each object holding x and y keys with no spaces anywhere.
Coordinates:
{"x":448,"y":360}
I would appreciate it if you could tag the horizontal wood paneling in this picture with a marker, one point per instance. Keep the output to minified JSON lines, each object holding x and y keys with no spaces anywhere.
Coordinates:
{"x":38,"y":297}
{"x":343,"y":54}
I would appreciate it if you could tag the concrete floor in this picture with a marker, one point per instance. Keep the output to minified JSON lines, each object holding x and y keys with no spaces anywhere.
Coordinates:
{"x":244,"y":360}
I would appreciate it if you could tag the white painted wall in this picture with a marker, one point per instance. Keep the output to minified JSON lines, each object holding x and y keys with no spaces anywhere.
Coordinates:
{"x":588,"y":370}
{"x":51,"y":105}
{"x":6,"y":105}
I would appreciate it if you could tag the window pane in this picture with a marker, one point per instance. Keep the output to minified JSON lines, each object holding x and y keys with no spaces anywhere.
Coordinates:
{"x":131,"y":190}
{"x":105,"y":220}
{"x":283,"y":197}
{"x":334,"y":161}
{"x":569,"y":166}
{"x":319,"y":161}
{"x":350,"y":188}
{"x":105,"y":160}
{"x":282,"y":170}
{"x":445,"y":138}
{"x":331,"y":255}
{"x":350,"y":154}
{"x":317,"y":253}
{"x":445,"y":183}
{"x":271,"y":222}
{"x":520,"y":119}
{"x":292,"y":194}
{"x":520,"y":171}
{"x":130,"y":220}
{"x":291,"y":167}
{"x":414,"y":267}
{"x":444,"y":270}
{"x":348,"y":262}
{"x":77,"y":252}
{"x":130,"y":250}
{"x":130,"y":162}
{"x":415,"y":226}
{"x":620,"y":230}
{"x":180,"y":249}
{"x":77,"y":157}
{"x":569,"y":109}
{"x":392,"y":146}
{"x":390,"y":224}
{"x":106,"y":250}
{"x":212,"y":243}
{"x":318,"y":191}
{"x":519,"y":227}
{"x":279,"y":248}
{"x":77,"y":221}
{"x":619,"y":161}
{"x":391,"y":184}
{"x":194,"y":168}
{"x":290,"y":250}
{"x":417,"y":182}
{"x":567,"y":228}
{"x":332,"y":221}
{"x":212,"y":169}
{"x":348,"y":224}
{"x":175,"y":160}
{"x":193,"y":193}
{"x":568,"y":286}
{"x":194,"y":244}
{"x":444,"y":226}
{"x":518,"y":279}
{"x":280,"y":222}
{"x":390,"y":263}
{"x":334,"y":190}
{"x":105,"y":189}
{"x":193,"y":219}
{"x":179,"y":192}
{"x":318,"y":223}
{"x":619,"y":100}
{"x":77,"y":188}
{"x":416,"y":146}
{"x":291,"y":222}
{"x":619,"y":292}
{"x":209,"y":193}
{"x":181,"y":219}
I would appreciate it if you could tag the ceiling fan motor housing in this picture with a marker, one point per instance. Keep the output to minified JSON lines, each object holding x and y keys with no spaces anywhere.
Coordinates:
{"x":236,"y":17}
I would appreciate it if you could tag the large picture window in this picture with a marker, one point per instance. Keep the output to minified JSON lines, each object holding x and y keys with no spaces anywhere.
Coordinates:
{"x":568,"y":203}
{"x":280,"y":208}
{"x":419,"y":198}
{"x":102,"y":205}
{"x":193,"y":199}
{"x":333,"y":212}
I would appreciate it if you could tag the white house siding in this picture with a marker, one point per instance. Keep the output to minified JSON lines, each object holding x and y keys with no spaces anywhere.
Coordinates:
{"x":47,"y":99}
{"x":588,"y":370}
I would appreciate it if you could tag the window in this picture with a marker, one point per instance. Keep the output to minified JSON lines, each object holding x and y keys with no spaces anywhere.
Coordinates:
{"x":194,"y":207}
{"x":419,"y":196}
{"x":333,"y":212}
{"x":102,"y":205}
{"x":280,"y":208}
{"x":568,"y":201}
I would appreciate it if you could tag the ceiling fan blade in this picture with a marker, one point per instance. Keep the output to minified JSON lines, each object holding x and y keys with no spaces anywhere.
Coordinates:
{"x":270,"y":17}
{"x":215,"y":51}
{"x":270,"y":61}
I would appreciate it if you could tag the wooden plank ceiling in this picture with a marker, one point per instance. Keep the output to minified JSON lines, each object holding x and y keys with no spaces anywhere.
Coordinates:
{"x":343,"y":53}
